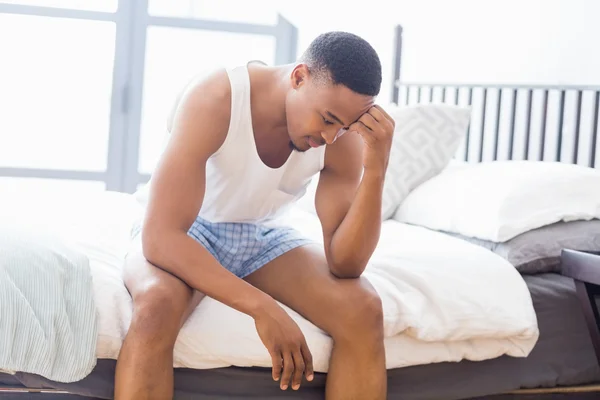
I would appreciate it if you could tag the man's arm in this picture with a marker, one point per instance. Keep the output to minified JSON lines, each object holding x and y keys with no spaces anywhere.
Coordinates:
{"x":198,"y":128}
{"x":350,"y":207}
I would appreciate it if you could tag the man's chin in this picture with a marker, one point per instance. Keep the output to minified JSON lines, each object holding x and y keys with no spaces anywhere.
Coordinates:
{"x":296,"y":148}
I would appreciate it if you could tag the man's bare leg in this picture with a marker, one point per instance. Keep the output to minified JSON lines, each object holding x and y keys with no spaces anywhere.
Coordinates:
{"x":161,"y":305}
{"x":348,"y":309}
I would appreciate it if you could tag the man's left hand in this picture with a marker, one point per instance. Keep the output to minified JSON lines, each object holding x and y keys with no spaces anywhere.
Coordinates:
{"x":376,"y":128}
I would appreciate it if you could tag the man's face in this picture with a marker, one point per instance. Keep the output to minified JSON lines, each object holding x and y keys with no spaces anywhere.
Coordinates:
{"x":318,"y":112}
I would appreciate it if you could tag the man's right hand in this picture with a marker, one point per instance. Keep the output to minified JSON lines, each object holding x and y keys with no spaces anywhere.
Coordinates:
{"x":286,"y":344}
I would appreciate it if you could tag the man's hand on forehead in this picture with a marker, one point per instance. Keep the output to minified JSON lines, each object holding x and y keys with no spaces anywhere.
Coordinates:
{"x":343,"y":130}
{"x":376,"y":127}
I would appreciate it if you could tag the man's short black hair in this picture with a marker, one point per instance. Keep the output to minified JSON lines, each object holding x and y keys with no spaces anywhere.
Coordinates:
{"x":347,"y":59}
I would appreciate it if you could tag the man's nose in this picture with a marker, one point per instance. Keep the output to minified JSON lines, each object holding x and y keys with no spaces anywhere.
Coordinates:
{"x":329,"y":136}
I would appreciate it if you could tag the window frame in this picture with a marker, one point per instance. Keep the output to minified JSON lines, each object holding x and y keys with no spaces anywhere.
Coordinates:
{"x":132,"y":21}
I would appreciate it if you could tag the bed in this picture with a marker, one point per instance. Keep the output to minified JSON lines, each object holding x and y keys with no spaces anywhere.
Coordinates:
{"x":560,"y":365}
{"x":563,"y":357}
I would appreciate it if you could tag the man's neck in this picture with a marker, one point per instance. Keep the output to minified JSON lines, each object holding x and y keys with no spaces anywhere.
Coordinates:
{"x":269,"y":90}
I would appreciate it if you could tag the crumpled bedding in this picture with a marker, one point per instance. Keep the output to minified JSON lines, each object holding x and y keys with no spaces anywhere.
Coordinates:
{"x":48,"y":319}
{"x":444,"y":299}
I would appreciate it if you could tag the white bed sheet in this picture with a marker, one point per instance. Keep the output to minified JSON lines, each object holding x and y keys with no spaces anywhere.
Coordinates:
{"x":444,"y":299}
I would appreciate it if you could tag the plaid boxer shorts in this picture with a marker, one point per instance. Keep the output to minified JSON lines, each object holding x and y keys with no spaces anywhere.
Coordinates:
{"x":243,"y":248}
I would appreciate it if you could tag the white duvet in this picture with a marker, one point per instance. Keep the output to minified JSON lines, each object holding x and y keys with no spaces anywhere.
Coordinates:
{"x":443,"y":299}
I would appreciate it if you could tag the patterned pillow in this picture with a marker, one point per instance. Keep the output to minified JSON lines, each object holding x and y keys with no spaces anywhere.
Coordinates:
{"x":426,"y":138}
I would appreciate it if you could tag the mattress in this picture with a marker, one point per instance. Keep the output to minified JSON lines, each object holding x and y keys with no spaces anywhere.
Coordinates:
{"x":563,"y":356}
{"x":437,"y":302}
{"x":424,"y":294}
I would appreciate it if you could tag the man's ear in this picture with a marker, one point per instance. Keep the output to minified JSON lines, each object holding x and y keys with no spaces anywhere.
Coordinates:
{"x":299,"y":75}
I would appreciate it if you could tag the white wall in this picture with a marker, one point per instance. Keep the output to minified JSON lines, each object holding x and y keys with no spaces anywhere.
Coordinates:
{"x":546,"y":42}
{"x":373,"y":23}
{"x":487,"y":41}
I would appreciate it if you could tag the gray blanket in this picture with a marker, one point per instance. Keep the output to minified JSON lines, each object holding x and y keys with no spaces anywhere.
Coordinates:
{"x":538,"y":250}
{"x":48,"y":320}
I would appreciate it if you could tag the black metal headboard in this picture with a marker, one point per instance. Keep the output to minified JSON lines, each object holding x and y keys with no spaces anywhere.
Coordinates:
{"x":515,"y":122}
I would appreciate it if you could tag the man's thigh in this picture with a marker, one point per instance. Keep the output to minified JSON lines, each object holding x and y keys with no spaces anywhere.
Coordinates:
{"x":300,"y":279}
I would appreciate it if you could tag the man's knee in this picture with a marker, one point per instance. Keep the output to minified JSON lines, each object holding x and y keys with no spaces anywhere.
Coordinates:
{"x":157,"y":307}
{"x":360,"y":311}
{"x":158,"y":311}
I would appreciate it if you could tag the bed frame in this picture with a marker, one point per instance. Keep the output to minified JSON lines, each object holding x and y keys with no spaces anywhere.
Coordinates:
{"x":509,"y":122}
{"x":517,"y":122}
{"x":514,"y":122}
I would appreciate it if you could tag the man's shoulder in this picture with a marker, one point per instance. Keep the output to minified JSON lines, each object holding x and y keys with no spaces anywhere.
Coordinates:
{"x":213,"y":87}
{"x":211,"y":90}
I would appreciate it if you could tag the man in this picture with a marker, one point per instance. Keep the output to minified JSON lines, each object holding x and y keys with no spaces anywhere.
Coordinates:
{"x":235,"y":160}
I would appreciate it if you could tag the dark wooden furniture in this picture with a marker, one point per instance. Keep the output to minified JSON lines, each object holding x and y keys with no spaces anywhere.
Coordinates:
{"x":584,"y":268}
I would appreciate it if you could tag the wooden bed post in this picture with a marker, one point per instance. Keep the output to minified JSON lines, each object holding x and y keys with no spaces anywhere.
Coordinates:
{"x":397,"y":64}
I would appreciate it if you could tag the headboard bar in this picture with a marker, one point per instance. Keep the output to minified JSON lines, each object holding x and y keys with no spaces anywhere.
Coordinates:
{"x":482,"y":128}
{"x":513,"y":113}
{"x":400,"y":83}
{"x":544,"y":119}
{"x":595,"y":135}
{"x":543,"y":115}
{"x":565,"y":118}
{"x":397,"y":61}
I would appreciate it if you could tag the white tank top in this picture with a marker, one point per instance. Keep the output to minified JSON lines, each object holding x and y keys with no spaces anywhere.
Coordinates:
{"x":239,"y":186}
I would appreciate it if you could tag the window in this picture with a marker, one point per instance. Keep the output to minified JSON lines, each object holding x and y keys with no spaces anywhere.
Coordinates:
{"x":87,"y":85}
{"x":255,"y":11}
{"x":91,"y":5}
{"x":169,"y":67}
{"x":55,"y":92}
{"x":35,"y":188}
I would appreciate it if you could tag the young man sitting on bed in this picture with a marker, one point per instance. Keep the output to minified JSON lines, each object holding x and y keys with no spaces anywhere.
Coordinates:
{"x":235,"y":159}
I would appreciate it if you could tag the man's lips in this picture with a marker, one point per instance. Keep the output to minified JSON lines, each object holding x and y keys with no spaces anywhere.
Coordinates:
{"x":313,"y":143}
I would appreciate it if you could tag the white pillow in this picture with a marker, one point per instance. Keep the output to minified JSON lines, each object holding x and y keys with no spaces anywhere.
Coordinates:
{"x":499,"y":200}
{"x":425,"y":140}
